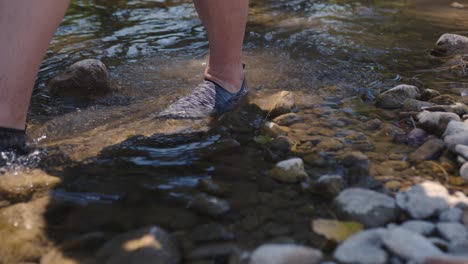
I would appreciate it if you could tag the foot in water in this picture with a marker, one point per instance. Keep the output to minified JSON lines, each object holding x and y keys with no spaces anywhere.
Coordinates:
{"x":207,"y":99}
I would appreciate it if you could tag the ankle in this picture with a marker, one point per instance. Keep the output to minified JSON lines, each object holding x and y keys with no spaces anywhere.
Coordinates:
{"x":230,"y":78}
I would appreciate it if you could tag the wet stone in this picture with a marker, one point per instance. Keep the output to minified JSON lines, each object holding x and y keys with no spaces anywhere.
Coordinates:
{"x":287,"y":119}
{"x":328,"y":186}
{"x":451,"y":44}
{"x":285,"y":254}
{"x":85,"y":78}
{"x":330,"y":144}
{"x":373,"y":124}
{"x":368,"y":207}
{"x":277,"y":104}
{"x":210,"y":205}
{"x":281,"y":143}
{"x":464,"y":171}
{"x":211,"y":232}
{"x":211,"y":187}
{"x":453,"y":214}
{"x":452,"y":231}
{"x":413,"y":105}
{"x":409,"y":245}
{"x":147,"y":245}
{"x":364,"y":247}
{"x":273,"y":130}
{"x":290,"y":171}
{"x":443,"y":100}
{"x":435,"y":122}
{"x":430,"y":150}
{"x":395,"y":97}
{"x":22,"y":229}
{"x":429,"y":94}
{"x":424,"y":200}
{"x":418,"y":226}
{"x":356,"y":167}
{"x":21,"y":185}
{"x":462,"y":150}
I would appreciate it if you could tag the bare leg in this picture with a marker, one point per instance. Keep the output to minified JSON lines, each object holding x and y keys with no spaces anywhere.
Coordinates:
{"x":225,"y":22}
{"x":26,"y":28}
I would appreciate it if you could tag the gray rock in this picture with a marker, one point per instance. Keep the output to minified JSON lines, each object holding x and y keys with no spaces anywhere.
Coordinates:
{"x":459,"y":247}
{"x":370,"y":208}
{"x":450,"y":45}
{"x":85,"y":78}
{"x":444,"y":99}
{"x":285,"y":254}
{"x":364,"y":248}
{"x":416,"y":137}
{"x":210,"y":205}
{"x":424,"y":200}
{"x":291,"y":171}
{"x":457,"y":108}
{"x":147,"y":245}
{"x":421,"y":227}
{"x":409,"y":245}
{"x":413,"y":105}
{"x":287,"y":119}
{"x":452,"y":231}
{"x":462,"y":150}
{"x":277,"y":104}
{"x":435,"y":122}
{"x":464,"y":171}
{"x":456,"y":133}
{"x":211,"y":232}
{"x":430,"y":150}
{"x":451,"y":215}
{"x":395,"y":97}
{"x":328,"y":186}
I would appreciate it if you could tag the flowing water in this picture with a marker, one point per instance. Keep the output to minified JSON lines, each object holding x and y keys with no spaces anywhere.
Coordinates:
{"x":123,"y":169}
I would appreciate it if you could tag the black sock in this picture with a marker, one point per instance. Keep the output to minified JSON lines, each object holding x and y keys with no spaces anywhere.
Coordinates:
{"x":12,"y":139}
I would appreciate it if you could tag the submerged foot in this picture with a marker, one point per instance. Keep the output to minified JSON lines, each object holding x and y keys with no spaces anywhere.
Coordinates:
{"x":208,"y":98}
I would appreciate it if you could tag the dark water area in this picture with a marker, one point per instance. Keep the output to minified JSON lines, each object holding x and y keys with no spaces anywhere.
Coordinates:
{"x":122,"y":169}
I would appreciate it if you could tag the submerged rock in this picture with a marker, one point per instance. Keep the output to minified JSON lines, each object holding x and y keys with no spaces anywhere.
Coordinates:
{"x":395,"y":97}
{"x":287,"y":119}
{"x":285,"y":254}
{"x":364,"y":247}
{"x":424,"y":200}
{"x":368,"y":207}
{"x":356,"y":166}
{"x":273,"y":130}
{"x":210,"y":205}
{"x":211,"y":232}
{"x":430,"y":150}
{"x":413,"y":105}
{"x":23,"y":231}
{"x":85,"y":78}
{"x":443,"y":100}
{"x":150,"y":245}
{"x":277,"y":104}
{"x":429,"y":94}
{"x":328,"y":186}
{"x":409,"y":245}
{"x":291,"y":171}
{"x":450,"y":45}
{"x":21,"y":185}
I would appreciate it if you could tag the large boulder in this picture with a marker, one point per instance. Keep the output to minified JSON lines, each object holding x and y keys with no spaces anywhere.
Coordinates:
{"x":86,"y":78}
{"x":371,"y":208}
{"x":395,"y":97}
{"x":450,"y":45}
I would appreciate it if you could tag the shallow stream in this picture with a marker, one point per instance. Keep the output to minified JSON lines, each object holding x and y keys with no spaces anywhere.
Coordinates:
{"x":122,"y":168}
